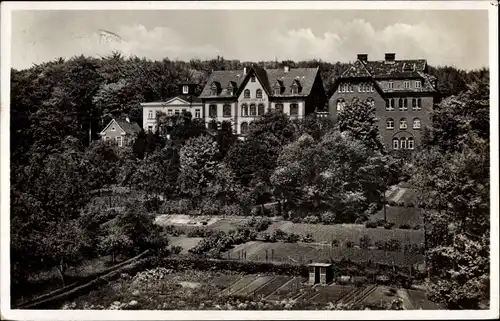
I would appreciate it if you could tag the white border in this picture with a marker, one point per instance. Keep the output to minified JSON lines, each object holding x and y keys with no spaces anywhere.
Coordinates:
{"x":7,"y":7}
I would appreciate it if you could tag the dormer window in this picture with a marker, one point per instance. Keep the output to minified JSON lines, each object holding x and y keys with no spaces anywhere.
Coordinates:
{"x":214,"y":89}
{"x":230,"y":88}
{"x":295,"y":87}
{"x":277,"y":90}
{"x":185,"y":89}
{"x":277,"y":87}
{"x":230,"y":91}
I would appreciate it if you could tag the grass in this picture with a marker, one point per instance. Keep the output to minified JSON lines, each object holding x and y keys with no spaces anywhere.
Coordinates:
{"x":186,"y":243}
{"x":250,"y":288}
{"x":344,"y":233}
{"x":272,"y":286}
{"x":332,"y":293}
{"x":400,"y":215}
{"x":380,"y":296}
{"x":304,"y":253}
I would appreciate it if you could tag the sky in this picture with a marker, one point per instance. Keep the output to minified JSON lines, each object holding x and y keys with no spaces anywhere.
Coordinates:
{"x":452,"y":37}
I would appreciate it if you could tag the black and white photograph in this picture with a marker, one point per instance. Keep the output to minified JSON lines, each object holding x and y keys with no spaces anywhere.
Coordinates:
{"x":249,"y":160}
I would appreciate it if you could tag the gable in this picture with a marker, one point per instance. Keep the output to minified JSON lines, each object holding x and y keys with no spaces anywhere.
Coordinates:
{"x":176,"y":101}
{"x":112,"y":123}
{"x":253,"y":87}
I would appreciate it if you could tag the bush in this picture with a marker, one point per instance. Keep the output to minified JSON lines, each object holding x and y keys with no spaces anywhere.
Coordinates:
{"x":200,"y":232}
{"x":231,"y":210}
{"x":380,"y":222}
{"x":258,"y":224}
{"x":349,"y":244}
{"x":360,"y":220}
{"x":297,"y":220}
{"x":335,"y":243}
{"x":371,"y":224}
{"x":176,"y":249}
{"x":401,"y":204}
{"x":209,"y":207}
{"x":328,"y":218}
{"x":364,"y":241}
{"x":392,"y":203}
{"x":255,"y":211}
{"x":373,"y":208}
{"x":404,"y":226}
{"x":380,"y":245}
{"x":311,"y":220}
{"x":292,"y":238}
{"x":388,"y":225}
{"x":393,"y":245}
{"x":307,"y":238}
{"x":153,"y":204}
{"x":417,"y":227}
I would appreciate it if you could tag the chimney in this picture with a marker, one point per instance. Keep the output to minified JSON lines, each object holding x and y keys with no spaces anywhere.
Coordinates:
{"x":390,"y":57}
{"x":363,"y":57}
{"x":287,"y":69}
{"x":244,"y":70}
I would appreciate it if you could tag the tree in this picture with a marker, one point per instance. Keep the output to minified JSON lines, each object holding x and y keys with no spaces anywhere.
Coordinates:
{"x":359,"y":120}
{"x":198,"y":166}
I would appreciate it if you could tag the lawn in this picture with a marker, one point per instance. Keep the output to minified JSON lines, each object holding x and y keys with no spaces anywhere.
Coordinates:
{"x":306,"y":252}
{"x":400,"y":215}
{"x":347,"y":232}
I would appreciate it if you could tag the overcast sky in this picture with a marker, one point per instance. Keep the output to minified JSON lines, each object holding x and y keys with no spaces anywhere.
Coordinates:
{"x":457,"y":38}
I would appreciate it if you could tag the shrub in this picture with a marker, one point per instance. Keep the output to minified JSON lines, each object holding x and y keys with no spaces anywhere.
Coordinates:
{"x":176,"y":249}
{"x":292,"y":238}
{"x":297,"y":220}
{"x":349,"y":244}
{"x":153,"y":204}
{"x":199,"y":232}
{"x":410,"y":204}
{"x":258,"y":224}
{"x":380,"y":244}
{"x":372,"y":209}
{"x":183,"y":206}
{"x":311,"y":219}
{"x":255,"y":211}
{"x":380,"y":222}
{"x":307,"y":238}
{"x":360,"y":220}
{"x":335,"y":243}
{"x":209,"y":207}
{"x":401,"y":204}
{"x":388,"y":225}
{"x":417,"y":227}
{"x":328,"y":218}
{"x":231,"y":210}
{"x":404,"y":226}
{"x":392,"y":203}
{"x":371,"y":224}
{"x":364,"y":241}
{"x":393,"y":245}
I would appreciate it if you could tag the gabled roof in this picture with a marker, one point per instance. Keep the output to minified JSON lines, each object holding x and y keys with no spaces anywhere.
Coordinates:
{"x":187,"y":98}
{"x":267,"y":77}
{"x":127,"y":127}
{"x":396,"y":69}
{"x":357,"y":69}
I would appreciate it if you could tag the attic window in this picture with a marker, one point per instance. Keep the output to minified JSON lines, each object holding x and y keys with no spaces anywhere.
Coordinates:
{"x":295,"y":87}
{"x":113,"y":129}
{"x":214,"y":89}
{"x":277,"y":90}
{"x":185,"y":89}
{"x":252,"y":78}
{"x":408,"y":67}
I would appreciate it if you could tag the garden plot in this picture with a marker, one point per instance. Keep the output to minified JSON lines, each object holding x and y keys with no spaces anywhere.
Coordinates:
{"x":186,"y":243}
{"x":226,"y":280}
{"x":238,"y":285}
{"x":301,"y":253}
{"x":331,"y":293}
{"x":400,"y":215}
{"x":272,"y":286}
{"x":420,"y":301}
{"x":250,"y":289}
{"x":289,"y":289}
{"x":344,"y":233}
{"x":380,"y":296}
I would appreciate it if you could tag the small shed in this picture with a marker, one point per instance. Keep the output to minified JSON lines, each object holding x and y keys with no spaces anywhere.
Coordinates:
{"x":320,"y":273}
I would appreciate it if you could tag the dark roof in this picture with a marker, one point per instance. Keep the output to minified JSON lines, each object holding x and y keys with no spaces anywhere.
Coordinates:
{"x":268,"y":78}
{"x":383,"y":69}
{"x":128,"y":127}
{"x":397,"y":69}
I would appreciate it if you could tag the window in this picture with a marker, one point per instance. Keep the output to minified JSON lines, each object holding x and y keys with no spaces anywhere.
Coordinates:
{"x":403,"y":124}
{"x":183,"y":111}
{"x":395,"y":143}
{"x":370,"y":101}
{"x":253,"y":110}
{"x":169,"y":112}
{"x":230,"y":91}
{"x":185,"y":89}
{"x":244,"y":128}
{"x":150,"y":114}
{"x":295,"y":89}
{"x":277,"y":90}
{"x":294,"y":110}
{"x":177,"y":112}
{"x":212,"y":110}
{"x":400,"y":103}
{"x":150,"y":128}
{"x":113,"y":129}
{"x":371,"y":88}
{"x":343,"y":88}
{"x":252,"y":78}
{"x":390,"y":85}
{"x":407,"y":84}
{"x":244,"y":110}
{"x":416,"y":123}
{"x":414,"y":103}
{"x":361,"y":88}
{"x":278,"y":108}
{"x":340,"y":104}
{"x":389,"y":104}
{"x":390,"y":123}
{"x":258,"y":93}
{"x":246,"y":93}
{"x":106,"y":138}
{"x":405,"y":104}
{"x":119,"y":141}
{"x":197,"y":113}
{"x":261,"y":109}
{"x":419,"y":104}
{"x":411,"y":143}
{"x":226,"y":111}
{"x":351,"y":88}
{"x":402,"y":143}
{"x":418,"y":84}
{"x":213,"y":89}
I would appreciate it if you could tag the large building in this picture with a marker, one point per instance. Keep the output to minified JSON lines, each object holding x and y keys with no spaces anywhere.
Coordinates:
{"x":402,"y":91}
{"x":185,"y":101}
{"x":240,"y":96}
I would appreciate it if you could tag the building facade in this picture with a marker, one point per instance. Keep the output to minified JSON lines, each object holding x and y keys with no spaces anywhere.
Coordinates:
{"x":120,"y":132}
{"x":240,"y":96}
{"x":402,"y":91}
{"x":186,"y":101}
